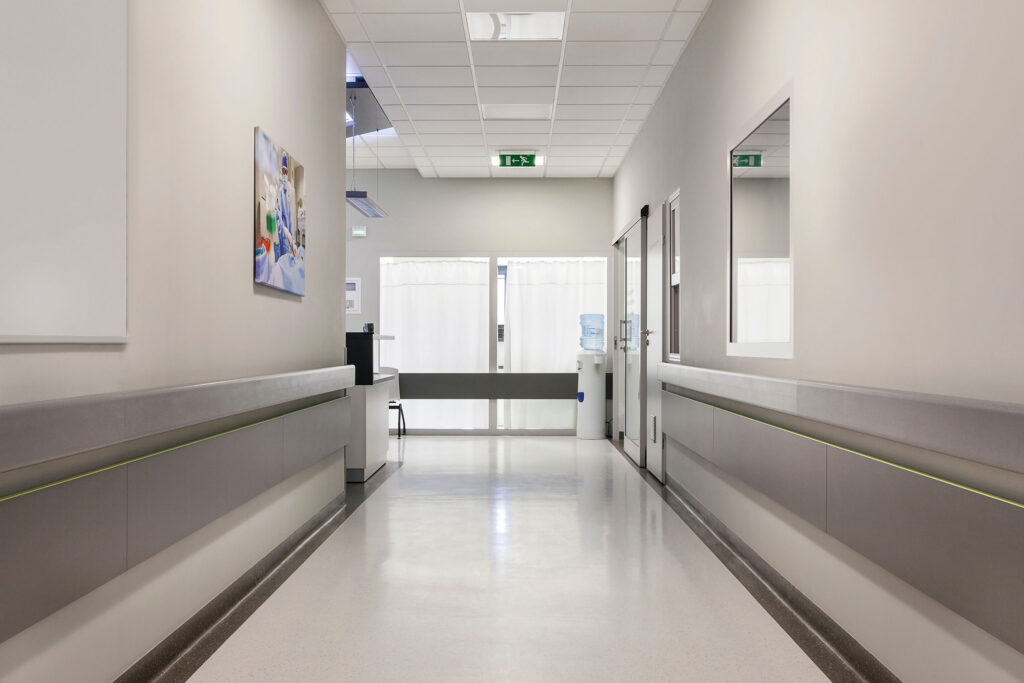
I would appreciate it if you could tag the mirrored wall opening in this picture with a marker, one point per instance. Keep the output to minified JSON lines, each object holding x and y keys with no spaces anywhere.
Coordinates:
{"x":761,"y":267}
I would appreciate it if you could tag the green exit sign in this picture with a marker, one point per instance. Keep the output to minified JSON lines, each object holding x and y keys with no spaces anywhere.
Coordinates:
{"x":746,"y":161}
{"x":517,"y":160}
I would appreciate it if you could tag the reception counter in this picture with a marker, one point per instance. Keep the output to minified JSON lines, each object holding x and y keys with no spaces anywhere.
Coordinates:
{"x":368,"y":450}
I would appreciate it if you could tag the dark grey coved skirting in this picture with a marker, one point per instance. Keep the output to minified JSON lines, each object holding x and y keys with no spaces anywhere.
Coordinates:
{"x":963,"y":547}
{"x":63,"y":538}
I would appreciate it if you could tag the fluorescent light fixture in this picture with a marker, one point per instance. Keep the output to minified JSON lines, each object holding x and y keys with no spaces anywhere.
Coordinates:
{"x":495,"y":161}
{"x":540,"y":160}
{"x":516,"y":112}
{"x":366,"y":206}
{"x":515,"y":25}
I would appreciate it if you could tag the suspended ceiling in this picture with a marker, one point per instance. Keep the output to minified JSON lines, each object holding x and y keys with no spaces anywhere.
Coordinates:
{"x":455,"y":103}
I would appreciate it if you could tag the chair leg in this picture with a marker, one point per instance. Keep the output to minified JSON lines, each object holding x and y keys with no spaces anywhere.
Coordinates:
{"x":401,"y":422}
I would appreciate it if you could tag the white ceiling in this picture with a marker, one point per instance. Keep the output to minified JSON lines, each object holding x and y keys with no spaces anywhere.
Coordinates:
{"x":455,"y":103}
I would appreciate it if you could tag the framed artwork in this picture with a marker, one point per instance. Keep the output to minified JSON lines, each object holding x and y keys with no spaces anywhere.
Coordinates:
{"x":280,"y":213}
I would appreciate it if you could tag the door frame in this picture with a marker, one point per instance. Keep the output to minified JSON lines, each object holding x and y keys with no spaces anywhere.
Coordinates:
{"x":618,"y":366}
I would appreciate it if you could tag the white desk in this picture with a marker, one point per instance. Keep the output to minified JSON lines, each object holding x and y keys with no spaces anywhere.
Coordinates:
{"x":367,"y":450}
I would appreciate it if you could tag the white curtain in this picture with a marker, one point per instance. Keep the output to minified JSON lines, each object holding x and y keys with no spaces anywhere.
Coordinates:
{"x":437,"y":310}
{"x":544,"y":300}
{"x":763,"y":299}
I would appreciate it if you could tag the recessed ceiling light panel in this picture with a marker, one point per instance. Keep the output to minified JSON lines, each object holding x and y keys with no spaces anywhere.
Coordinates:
{"x":516,"y":25}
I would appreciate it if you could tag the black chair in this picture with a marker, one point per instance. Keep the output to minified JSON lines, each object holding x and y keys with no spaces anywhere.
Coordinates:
{"x":395,"y":399}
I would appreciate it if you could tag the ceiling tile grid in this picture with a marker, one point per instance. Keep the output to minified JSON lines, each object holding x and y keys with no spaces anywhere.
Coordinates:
{"x":455,"y":103}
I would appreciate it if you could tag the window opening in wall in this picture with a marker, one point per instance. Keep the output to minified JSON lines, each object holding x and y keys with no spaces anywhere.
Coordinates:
{"x":540,"y":300}
{"x":760,"y":265}
{"x":437,"y":309}
{"x":674,"y":276}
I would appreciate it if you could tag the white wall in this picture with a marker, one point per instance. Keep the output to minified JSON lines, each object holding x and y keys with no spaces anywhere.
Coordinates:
{"x":201,"y":76}
{"x":475,"y":217}
{"x":905,"y":220}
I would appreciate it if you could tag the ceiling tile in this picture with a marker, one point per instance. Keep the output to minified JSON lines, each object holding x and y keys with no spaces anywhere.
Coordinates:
{"x":614,"y":25}
{"x":415,"y":151}
{"x":606,"y":127}
{"x":571,"y":172}
{"x":407,"y":5}
{"x":363,"y":54}
{"x":385,"y":95}
{"x":376,"y":76}
{"x":520,"y":53}
{"x":465,"y":140}
{"x":638,"y":111}
{"x":620,"y":53}
{"x":576,"y":161}
{"x":624,"y":139}
{"x":517,"y":95}
{"x":657,"y":75}
{"x":681,"y":25}
{"x":647,"y":95}
{"x":618,"y":151}
{"x":517,"y":127}
{"x":349,"y":27}
{"x":596,"y":95}
{"x":422,"y":54}
{"x":413,"y":27}
{"x":522,"y":140}
{"x":692,"y":5}
{"x":582,"y":139}
{"x":514,"y":76}
{"x":438,"y":95}
{"x":590,"y":111}
{"x":613,"y":5}
{"x":443,"y":112}
{"x":454,"y":151}
{"x":537,"y":111}
{"x":602,"y":75}
{"x":430,"y":76}
{"x":516,"y":5}
{"x":631,"y":126}
{"x":404,"y":127}
{"x":668,"y":52}
{"x":581,"y":151}
{"x":395,"y":113}
{"x":448,"y":127}
{"x":333,"y":6}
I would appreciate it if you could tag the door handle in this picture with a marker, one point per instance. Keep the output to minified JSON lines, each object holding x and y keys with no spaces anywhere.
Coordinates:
{"x":646,"y":334}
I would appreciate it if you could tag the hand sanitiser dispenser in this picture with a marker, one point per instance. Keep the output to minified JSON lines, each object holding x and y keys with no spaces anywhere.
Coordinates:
{"x":590,"y":391}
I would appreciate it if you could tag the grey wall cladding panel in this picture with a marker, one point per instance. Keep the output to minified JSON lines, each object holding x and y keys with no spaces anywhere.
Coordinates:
{"x":961,"y":548}
{"x":689,"y":422}
{"x":786,"y":467}
{"x":57,"y":545}
{"x":37,"y":432}
{"x":315,"y":433}
{"x":167,"y":409}
{"x":178,"y":492}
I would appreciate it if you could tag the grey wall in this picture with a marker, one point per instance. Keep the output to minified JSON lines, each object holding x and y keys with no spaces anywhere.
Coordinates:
{"x":905,"y":258}
{"x":475,"y":217}
{"x":201,"y":76}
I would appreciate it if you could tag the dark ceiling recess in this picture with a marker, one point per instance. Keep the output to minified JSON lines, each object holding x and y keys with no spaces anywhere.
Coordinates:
{"x":364,"y":108}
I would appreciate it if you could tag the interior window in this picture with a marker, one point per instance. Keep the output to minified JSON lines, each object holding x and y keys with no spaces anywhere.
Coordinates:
{"x":760,"y":265}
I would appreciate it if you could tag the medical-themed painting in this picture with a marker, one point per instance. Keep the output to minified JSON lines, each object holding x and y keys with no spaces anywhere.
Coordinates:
{"x":280,"y":233}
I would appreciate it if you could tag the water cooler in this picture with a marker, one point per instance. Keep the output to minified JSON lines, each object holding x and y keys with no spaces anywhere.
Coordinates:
{"x":590,"y":367}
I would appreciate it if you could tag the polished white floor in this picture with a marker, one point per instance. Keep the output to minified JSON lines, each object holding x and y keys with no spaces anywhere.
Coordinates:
{"x":511,"y":559}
